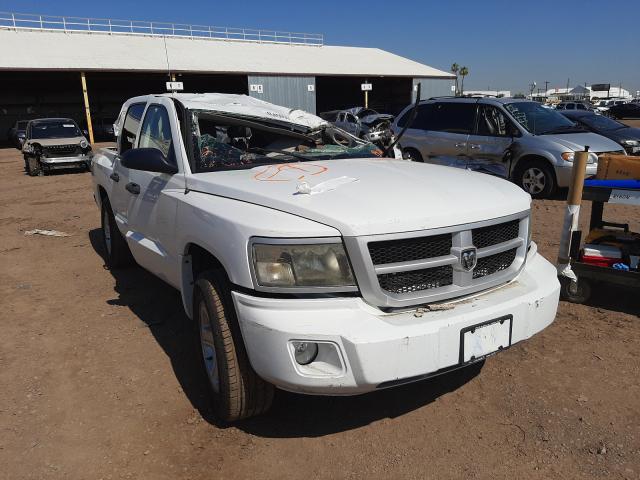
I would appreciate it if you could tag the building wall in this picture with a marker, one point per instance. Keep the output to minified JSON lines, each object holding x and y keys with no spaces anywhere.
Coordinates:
{"x":292,"y":92}
{"x":432,"y":87}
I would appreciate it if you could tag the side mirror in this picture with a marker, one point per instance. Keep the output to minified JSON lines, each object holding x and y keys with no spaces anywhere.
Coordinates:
{"x":148,"y":160}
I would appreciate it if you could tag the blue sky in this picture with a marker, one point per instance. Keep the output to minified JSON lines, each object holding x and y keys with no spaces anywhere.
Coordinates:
{"x":505,"y":45}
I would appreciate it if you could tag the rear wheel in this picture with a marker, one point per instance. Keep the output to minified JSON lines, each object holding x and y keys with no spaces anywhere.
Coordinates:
{"x":412,"y":154}
{"x":115,"y":246}
{"x":536,"y":177}
{"x":237,"y":391}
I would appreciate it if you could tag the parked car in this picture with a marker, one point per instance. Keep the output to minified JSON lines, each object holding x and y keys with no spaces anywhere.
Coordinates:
{"x":306,"y":261}
{"x":16,"y":134}
{"x":363,"y":123}
{"x":54,"y":143}
{"x":603,"y":106}
{"x":102,"y":128}
{"x":625,"y":110}
{"x":625,"y":135}
{"x":517,"y":139}
{"x":574,"y":106}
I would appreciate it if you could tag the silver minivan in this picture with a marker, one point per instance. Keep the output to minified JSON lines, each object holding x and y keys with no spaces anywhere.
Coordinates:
{"x":517,"y":139}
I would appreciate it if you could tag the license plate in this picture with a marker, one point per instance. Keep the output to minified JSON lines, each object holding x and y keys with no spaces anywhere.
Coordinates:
{"x":478,"y":341}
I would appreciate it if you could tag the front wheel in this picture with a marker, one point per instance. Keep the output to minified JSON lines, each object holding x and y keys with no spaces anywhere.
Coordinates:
{"x":34,"y":168}
{"x":115,"y":246}
{"x":237,"y":391}
{"x":536,"y":177}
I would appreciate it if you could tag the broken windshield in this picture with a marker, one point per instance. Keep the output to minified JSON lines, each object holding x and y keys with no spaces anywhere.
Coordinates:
{"x":539,"y":120}
{"x":223,"y":142}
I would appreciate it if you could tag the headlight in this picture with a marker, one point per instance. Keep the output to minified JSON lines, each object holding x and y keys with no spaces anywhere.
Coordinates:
{"x":631,"y":143}
{"x":83,"y":144}
{"x":310,"y":265}
{"x":569,"y":156}
{"x":28,"y":148}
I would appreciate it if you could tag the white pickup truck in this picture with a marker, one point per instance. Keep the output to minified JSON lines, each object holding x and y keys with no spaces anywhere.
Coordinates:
{"x":306,"y":259}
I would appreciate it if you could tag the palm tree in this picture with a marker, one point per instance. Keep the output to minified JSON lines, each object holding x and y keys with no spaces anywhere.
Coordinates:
{"x":454,"y":69}
{"x":464,"y":71}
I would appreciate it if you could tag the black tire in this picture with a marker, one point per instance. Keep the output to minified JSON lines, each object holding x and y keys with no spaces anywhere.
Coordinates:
{"x":117,"y":253}
{"x":412,"y":154}
{"x":238,"y":392}
{"x":34,"y":168}
{"x":536,"y":177}
{"x":575,"y":293}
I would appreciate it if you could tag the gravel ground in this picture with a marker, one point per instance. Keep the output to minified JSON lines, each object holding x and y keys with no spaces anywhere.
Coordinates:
{"x":98,"y":377}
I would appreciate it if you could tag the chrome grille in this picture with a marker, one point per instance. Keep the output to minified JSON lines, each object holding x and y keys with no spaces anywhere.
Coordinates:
{"x":61,"y":150}
{"x":494,"y":234}
{"x":414,"y":268}
{"x":494,"y":263}
{"x":394,"y":251}
{"x":405,"y":282}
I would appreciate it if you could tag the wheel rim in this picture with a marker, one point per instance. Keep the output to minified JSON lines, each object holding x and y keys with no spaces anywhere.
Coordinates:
{"x":208,"y":347}
{"x":106,"y":230}
{"x":534,"y":180}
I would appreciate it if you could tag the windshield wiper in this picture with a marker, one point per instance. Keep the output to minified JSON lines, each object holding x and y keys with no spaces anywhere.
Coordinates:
{"x":281,"y":152}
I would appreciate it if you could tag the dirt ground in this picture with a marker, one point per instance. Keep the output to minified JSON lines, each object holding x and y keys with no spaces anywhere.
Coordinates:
{"x":97,"y":378}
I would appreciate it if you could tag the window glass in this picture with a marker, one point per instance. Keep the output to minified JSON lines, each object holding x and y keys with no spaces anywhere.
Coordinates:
{"x":539,"y":120}
{"x":492,"y":122}
{"x":452,"y":117}
{"x":130,"y":127}
{"x":580,"y":106}
{"x":156,"y":131}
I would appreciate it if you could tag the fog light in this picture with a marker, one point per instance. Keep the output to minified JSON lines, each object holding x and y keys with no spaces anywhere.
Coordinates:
{"x":305,"y":352}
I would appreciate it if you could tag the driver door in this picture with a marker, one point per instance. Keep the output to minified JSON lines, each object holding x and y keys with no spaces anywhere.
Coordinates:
{"x":152,"y":203}
{"x":488,"y":145}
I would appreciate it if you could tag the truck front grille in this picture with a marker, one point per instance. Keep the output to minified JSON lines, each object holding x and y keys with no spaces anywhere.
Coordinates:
{"x":395,"y":251}
{"x":414,"y":268}
{"x":62,"y":150}
{"x":418,"y":280}
{"x":494,"y":263}
{"x":494,"y":234}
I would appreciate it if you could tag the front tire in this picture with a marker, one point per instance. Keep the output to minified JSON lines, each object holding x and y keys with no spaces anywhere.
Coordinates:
{"x":536,"y":177}
{"x":34,"y":168}
{"x":116,"y":249}
{"x":237,"y":391}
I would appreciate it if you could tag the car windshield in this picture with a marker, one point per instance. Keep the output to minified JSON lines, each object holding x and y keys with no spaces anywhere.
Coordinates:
{"x":539,"y":120}
{"x":55,"y":129}
{"x":229,"y":143}
{"x":600,"y":122}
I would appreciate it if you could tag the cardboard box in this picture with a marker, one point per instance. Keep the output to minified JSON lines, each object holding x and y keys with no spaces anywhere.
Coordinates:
{"x":618,"y":167}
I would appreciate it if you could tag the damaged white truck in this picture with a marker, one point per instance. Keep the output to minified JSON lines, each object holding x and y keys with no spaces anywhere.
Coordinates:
{"x":308,"y":260}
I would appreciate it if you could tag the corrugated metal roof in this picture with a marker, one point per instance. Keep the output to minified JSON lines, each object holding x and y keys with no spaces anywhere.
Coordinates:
{"x":46,"y":50}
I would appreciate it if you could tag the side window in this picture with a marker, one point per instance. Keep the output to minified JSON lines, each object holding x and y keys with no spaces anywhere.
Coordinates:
{"x":130,"y":127}
{"x":581,"y":106}
{"x":493,"y":123}
{"x":156,"y":131}
{"x":452,"y":117}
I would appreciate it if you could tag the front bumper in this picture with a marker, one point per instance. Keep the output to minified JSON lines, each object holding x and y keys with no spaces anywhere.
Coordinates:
{"x":65,"y":162}
{"x":366,"y":349}
{"x":563,"y":173}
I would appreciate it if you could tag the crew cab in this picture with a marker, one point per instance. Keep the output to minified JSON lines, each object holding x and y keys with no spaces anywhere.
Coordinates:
{"x":307,"y":259}
{"x":53,"y":144}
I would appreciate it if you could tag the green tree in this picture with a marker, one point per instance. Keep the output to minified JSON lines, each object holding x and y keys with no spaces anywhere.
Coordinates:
{"x":464,"y":71}
{"x":454,"y":69}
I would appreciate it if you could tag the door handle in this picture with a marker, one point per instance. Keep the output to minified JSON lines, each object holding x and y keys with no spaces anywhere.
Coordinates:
{"x":115,"y":177}
{"x":474,"y":146}
{"x":132,"y":188}
{"x":461,"y":145}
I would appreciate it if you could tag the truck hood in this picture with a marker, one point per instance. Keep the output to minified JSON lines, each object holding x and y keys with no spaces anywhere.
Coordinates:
{"x":370,"y":196}
{"x":45,"y":142}
{"x":577,"y":141}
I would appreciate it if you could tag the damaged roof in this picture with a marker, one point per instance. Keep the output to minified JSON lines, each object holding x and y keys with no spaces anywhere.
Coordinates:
{"x":51,"y":50}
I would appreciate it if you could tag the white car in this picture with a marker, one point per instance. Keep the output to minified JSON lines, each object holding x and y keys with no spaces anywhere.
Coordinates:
{"x":308,"y":260}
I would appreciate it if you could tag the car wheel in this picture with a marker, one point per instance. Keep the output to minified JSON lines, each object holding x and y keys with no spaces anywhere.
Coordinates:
{"x":412,"y":154}
{"x":237,"y":391}
{"x":33,"y":167}
{"x":536,"y":177}
{"x":115,"y":246}
{"x":573,"y":292}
